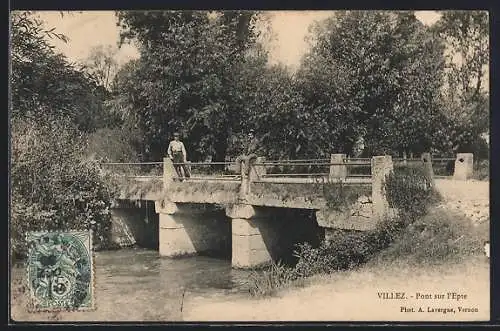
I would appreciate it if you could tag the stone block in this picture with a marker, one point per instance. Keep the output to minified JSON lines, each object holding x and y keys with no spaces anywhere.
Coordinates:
{"x":427,"y":165}
{"x":244,"y":227}
{"x":253,"y":241}
{"x":165,"y":207}
{"x":190,"y":230}
{"x":175,"y":242}
{"x":382,"y":166}
{"x":359,"y":216}
{"x":240,"y":211}
{"x":249,"y":251}
{"x":464,"y":166}
{"x":168,"y":221}
{"x":337,"y":171}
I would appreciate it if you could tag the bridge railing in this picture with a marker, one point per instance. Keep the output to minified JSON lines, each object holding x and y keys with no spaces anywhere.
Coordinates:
{"x":155,"y":170}
{"x":223,"y":171}
{"x":337,"y":168}
{"x":139,"y":170}
{"x":442,"y":167}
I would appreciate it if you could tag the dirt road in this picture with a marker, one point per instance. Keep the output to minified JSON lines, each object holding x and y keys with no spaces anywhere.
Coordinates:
{"x":471,"y":198}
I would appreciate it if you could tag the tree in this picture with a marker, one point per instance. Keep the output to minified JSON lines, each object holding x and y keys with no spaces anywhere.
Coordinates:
{"x":43,"y":81}
{"x":101,"y":64}
{"x":465,"y":94}
{"x":374,"y":74}
{"x":185,"y":80}
{"x":275,"y":111}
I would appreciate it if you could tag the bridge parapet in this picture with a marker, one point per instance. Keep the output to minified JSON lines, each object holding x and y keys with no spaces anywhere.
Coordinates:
{"x":275,"y":183}
{"x":280,"y":183}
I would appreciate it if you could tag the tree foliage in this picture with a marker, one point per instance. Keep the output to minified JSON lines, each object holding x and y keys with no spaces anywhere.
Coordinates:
{"x":378,"y":75}
{"x":102,"y":66}
{"x":466,"y":92}
{"x":53,"y":188}
{"x":43,"y":81}
{"x":374,"y":74}
{"x":186,"y":79}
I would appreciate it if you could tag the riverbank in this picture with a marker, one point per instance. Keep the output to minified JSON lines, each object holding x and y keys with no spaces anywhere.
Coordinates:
{"x":354,"y":296}
{"x":418,"y":263}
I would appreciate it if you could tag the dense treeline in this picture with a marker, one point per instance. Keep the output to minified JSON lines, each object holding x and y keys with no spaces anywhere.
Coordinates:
{"x":383,"y":76}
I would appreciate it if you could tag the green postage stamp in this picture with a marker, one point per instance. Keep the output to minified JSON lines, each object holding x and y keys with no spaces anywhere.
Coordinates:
{"x":60,"y":270}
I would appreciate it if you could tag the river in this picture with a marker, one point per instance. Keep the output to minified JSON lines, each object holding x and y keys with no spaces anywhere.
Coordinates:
{"x":136,"y":284}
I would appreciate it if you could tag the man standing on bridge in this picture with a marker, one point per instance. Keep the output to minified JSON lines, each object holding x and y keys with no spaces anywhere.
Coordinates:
{"x":177,"y":153}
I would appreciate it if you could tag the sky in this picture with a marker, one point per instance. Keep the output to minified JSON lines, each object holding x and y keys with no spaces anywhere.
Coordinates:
{"x":92,"y":28}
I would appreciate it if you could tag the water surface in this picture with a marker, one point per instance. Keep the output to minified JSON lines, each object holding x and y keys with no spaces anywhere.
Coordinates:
{"x":137,"y":284}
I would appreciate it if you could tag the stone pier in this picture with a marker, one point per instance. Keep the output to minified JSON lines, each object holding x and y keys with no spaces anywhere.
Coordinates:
{"x":189,"y":229}
{"x":253,"y":240}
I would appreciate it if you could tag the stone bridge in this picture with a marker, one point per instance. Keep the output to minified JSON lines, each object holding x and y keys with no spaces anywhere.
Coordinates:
{"x":251,"y":207}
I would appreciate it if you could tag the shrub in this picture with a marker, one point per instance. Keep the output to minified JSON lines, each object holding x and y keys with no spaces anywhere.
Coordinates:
{"x":410,"y":192}
{"x":112,"y":144}
{"x":118,"y":145}
{"x":53,"y":187}
{"x":436,"y":238}
{"x":343,"y":250}
{"x":482,"y":170}
{"x":266,"y":282}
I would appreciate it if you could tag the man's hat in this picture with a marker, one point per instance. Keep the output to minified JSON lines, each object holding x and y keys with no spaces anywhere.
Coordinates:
{"x":176,"y":134}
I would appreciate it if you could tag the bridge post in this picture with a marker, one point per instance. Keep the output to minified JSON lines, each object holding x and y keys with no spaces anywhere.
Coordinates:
{"x":257,"y":169}
{"x":428,"y":171}
{"x":245,"y":182}
{"x":168,"y":172}
{"x":252,"y":242}
{"x":464,"y":166}
{"x":337,"y":171}
{"x":381,"y":167}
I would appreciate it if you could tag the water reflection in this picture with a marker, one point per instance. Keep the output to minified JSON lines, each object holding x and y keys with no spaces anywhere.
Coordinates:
{"x":145,"y":268}
{"x":137,"y":285}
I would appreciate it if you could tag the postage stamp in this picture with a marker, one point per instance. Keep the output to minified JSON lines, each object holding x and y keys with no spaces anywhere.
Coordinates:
{"x":60,"y":271}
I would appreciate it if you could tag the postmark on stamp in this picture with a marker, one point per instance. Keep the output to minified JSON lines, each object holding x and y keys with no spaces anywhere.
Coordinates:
{"x":60,"y":270}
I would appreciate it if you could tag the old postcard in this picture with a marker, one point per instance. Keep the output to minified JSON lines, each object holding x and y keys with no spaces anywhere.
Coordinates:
{"x":219,"y":165}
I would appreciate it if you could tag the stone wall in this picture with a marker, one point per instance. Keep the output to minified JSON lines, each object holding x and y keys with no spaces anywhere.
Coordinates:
{"x":134,"y":224}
